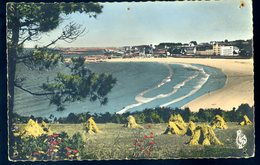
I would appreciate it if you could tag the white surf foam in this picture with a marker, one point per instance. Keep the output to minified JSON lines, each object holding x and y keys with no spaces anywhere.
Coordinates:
{"x":142,"y":100}
{"x":195,"y":89}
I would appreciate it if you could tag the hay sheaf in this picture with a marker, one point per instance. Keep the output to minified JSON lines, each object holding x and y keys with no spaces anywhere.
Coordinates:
{"x":191,"y":128}
{"x":204,"y":135}
{"x":218,"y":122}
{"x":131,"y":123}
{"x":91,"y":126}
{"x":32,"y":128}
{"x":245,"y":121}
{"x":176,"y":125}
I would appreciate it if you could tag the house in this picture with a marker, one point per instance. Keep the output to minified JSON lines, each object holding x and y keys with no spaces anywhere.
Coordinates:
{"x":204,"y":50}
{"x":143,"y":49}
{"x":160,"y":52}
{"x":190,"y":50}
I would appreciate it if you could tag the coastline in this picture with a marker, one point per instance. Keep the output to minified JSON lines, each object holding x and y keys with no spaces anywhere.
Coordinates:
{"x":239,"y":87}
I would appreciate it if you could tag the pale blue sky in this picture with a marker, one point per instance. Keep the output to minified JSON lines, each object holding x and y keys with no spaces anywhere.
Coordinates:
{"x":155,"y":22}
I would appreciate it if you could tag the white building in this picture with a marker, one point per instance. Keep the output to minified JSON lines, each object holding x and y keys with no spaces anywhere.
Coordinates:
{"x":226,"y":50}
{"x":223,"y":50}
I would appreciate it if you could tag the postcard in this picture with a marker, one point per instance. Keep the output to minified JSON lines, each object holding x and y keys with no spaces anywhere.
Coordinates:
{"x":130,"y":80}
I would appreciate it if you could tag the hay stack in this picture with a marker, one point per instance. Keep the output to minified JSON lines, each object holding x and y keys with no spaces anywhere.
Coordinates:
{"x":219,"y":122}
{"x":245,"y":121}
{"x":176,"y":125}
{"x":91,"y":126}
{"x":32,"y":128}
{"x":191,"y":128}
{"x":131,"y":123}
{"x":204,"y":135}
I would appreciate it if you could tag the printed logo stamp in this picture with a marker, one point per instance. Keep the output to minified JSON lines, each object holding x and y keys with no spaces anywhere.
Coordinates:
{"x":241,"y":139}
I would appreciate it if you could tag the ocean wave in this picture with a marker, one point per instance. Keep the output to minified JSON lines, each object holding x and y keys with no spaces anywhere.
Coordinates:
{"x":142,"y":100}
{"x":195,"y":89}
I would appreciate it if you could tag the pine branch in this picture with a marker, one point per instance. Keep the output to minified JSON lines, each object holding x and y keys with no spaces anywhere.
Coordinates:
{"x":33,"y":93}
{"x":70,"y":33}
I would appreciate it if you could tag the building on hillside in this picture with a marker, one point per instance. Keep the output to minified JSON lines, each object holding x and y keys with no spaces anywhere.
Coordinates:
{"x":143,"y":49}
{"x":160,"y":53}
{"x":189,"y":50}
{"x":216,"y":49}
{"x":206,"y":50}
{"x":224,"y":50}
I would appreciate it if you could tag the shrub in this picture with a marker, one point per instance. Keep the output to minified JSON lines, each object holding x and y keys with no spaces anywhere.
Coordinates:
{"x":52,"y":147}
{"x":155,"y":115}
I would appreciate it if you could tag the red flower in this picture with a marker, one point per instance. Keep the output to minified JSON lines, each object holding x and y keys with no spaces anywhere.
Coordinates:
{"x":67,"y":148}
{"x":36,"y":153}
{"x":54,"y":143}
{"x":151,"y":135}
{"x":55,"y":135}
{"x":75,"y":151}
{"x":152,"y":142}
{"x":145,"y":136}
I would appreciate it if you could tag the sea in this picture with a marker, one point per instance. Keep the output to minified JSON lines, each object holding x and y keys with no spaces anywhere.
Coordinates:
{"x":139,"y":85}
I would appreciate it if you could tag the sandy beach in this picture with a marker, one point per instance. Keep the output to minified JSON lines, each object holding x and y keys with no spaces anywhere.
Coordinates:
{"x":239,"y":87}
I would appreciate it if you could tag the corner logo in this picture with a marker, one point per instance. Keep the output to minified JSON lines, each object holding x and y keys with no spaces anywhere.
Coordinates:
{"x":241,"y":139}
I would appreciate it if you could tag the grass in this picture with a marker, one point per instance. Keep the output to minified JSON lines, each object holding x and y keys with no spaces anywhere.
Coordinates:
{"x":116,"y":142}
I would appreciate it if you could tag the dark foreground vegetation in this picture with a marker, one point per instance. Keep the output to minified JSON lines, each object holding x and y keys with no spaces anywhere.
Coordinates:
{"x":70,"y":141}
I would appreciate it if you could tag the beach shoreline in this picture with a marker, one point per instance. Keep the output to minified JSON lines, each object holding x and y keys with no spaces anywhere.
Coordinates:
{"x":239,"y":87}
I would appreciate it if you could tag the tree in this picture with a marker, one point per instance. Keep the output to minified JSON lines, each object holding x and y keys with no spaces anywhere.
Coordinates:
{"x":194,"y":42}
{"x":27,"y":22}
{"x":72,"y":118}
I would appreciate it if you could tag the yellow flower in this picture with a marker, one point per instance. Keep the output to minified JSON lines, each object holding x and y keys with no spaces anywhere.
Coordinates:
{"x":41,"y":152}
{"x":71,"y":156}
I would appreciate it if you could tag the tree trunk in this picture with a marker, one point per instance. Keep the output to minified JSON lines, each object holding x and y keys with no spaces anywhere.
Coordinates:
{"x":11,"y":68}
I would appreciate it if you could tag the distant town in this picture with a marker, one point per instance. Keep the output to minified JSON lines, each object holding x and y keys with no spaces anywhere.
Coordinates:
{"x":212,"y":49}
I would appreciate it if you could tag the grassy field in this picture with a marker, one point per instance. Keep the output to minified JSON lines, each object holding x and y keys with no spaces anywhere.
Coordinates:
{"x":116,"y":142}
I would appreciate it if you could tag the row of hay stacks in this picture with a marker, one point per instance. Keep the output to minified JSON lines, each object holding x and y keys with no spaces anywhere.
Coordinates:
{"x":200,"y":134}
{"x":91,"y":126}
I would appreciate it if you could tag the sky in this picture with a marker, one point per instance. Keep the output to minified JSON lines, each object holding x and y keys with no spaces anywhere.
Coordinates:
{"x":137,"y":23}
